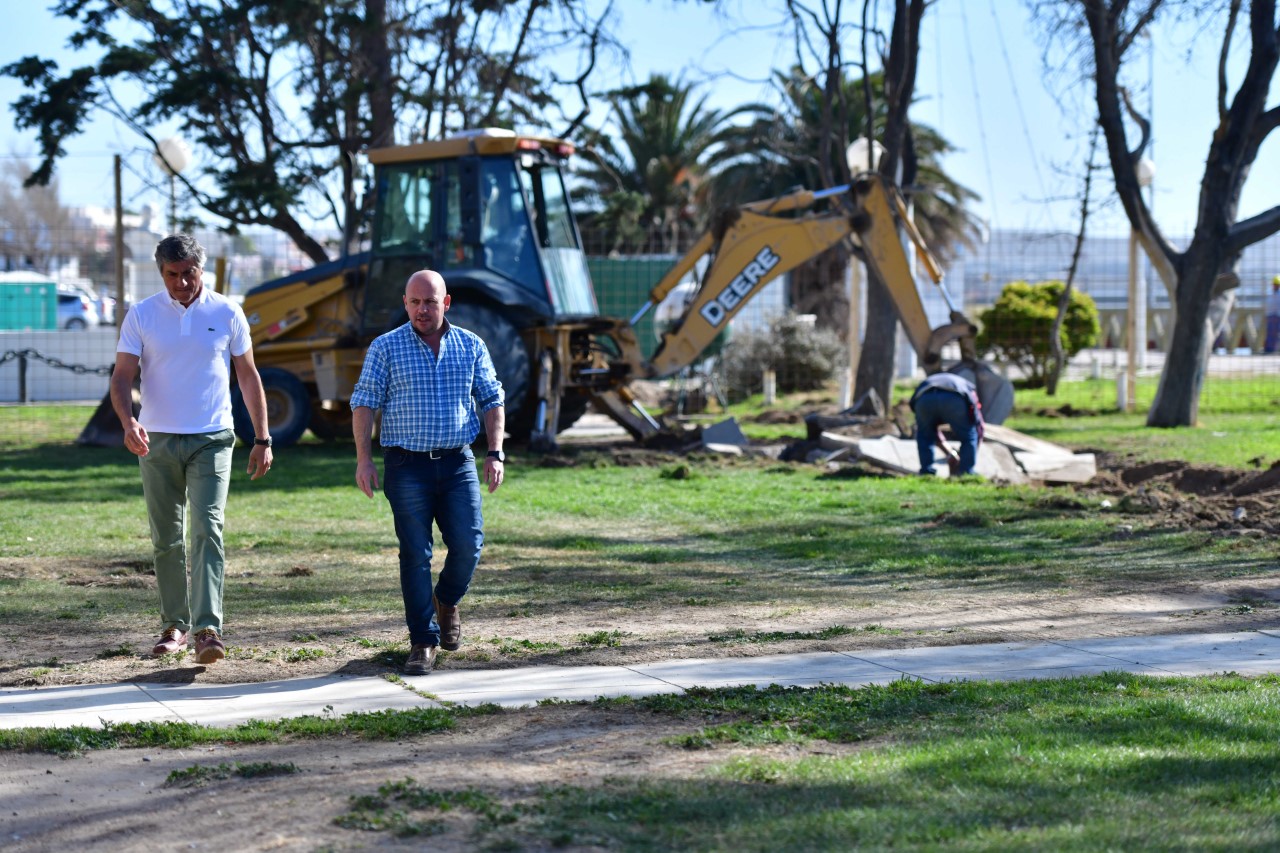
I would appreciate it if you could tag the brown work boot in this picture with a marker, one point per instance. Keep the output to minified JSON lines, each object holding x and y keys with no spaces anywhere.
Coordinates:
{"x":173,"y":639}
{"x":209,"y":647}
{"x":450,"y":625}
{"x":421,"y":660}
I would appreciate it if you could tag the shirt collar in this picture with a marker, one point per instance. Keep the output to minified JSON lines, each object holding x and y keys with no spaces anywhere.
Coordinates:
{"x":204,"y":293}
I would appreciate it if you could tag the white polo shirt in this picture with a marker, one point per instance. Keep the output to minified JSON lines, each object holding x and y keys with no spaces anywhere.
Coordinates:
{"x":185,"y":360}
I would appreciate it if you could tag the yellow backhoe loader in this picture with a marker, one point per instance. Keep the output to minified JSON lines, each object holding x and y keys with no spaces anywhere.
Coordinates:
{"x":489,"y":210}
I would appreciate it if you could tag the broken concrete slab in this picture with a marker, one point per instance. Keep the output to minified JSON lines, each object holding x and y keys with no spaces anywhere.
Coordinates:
{"x":998,"y":463}
{"x":724,"y":432}
{"x":718,"y":447}
{"x":893,"y":454}
{"x":1077,"y":468}
{"x":1005,"y":455}
{"x":1021,"y":441}
{"x":995,"y":462}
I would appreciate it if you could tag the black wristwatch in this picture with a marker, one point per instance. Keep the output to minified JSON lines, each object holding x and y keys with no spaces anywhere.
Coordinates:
{"x":497,"y":454}
{"x":262,"y":442}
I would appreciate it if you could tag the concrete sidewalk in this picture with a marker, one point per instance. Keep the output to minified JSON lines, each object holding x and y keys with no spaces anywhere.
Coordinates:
{"x":1245,"y":653}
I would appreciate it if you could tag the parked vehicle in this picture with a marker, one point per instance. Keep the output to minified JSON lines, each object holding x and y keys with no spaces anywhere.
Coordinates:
{"x":106,"y":306}
{"x":76,"y":311}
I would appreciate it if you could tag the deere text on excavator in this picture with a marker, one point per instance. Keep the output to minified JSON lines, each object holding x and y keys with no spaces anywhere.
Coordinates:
{"x":490,"y":211}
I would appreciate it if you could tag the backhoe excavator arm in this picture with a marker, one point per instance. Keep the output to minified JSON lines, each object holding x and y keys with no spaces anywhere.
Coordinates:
{"x":753,"y":244}
{"x":880,"y":211}
{"x":749,"y":247}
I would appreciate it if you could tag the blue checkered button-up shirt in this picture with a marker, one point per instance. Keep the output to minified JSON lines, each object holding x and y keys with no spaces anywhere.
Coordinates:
{"x":428,"y":402}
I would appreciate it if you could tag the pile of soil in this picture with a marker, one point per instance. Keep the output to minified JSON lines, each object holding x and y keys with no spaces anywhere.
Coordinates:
{"x":1193,"y":496}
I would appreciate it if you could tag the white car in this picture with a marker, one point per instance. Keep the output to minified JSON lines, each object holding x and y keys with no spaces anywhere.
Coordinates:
{"x":76,"y":311}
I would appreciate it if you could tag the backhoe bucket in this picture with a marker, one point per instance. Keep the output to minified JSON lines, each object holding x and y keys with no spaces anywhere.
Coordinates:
{"x":103,"y":428}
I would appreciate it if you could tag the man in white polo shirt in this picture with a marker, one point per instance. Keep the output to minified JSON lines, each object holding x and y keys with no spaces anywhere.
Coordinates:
{"x":184,"y":341}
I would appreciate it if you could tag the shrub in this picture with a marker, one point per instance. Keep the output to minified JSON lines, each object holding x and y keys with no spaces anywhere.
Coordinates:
{"x":803,"y":357}
{"x":1016,"y":329}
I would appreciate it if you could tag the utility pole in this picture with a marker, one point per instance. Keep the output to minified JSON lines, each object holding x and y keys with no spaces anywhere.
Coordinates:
{"x":119,"y":252}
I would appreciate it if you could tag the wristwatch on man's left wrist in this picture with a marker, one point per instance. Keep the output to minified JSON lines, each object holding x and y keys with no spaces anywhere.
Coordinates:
{"x":497,"y":454}
{"x":263,"y":442}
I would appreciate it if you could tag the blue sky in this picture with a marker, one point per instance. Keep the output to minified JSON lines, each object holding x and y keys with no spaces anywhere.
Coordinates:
{"x":980,"y":84}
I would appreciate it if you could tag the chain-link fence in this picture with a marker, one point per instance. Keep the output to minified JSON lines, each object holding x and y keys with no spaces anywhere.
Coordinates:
{"x":57,"y":340}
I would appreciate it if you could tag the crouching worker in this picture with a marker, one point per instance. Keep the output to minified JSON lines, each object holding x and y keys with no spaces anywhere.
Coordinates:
{"x":945,"y":398}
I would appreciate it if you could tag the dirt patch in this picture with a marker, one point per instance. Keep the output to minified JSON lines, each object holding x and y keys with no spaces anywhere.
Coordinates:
{"x":118,"y":799}
{"x":1233,"y":501}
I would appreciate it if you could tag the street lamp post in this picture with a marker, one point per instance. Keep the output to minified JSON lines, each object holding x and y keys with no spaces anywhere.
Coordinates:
{"x":172,"y":156}
{"x":1137,"y":320}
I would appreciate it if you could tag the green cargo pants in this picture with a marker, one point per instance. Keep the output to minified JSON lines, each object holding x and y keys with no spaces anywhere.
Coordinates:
{"x":181,"y":471}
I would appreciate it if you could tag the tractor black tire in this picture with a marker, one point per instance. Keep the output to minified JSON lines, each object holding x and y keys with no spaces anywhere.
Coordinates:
{"x":330,"y":424}
{"x":288,"y":408}
{"x":510,"y":360}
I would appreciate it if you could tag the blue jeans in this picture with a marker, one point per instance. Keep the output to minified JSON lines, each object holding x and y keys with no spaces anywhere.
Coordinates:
{"x":445,"y":491}
{"x":938,"y":406}
{"x":184,"y":471}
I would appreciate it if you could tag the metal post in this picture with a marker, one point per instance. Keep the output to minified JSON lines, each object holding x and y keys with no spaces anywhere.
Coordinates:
{"x":22,"y":378}
{"x":1131,"y":332}
{"x":855,"y":326}
{"x":119,"y":246}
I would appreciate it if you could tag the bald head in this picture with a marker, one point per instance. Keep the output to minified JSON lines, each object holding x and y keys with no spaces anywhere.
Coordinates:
{"x":426,"y":301}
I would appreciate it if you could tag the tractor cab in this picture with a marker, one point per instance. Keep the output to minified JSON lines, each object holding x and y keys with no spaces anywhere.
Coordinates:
{"x":488,"y":210}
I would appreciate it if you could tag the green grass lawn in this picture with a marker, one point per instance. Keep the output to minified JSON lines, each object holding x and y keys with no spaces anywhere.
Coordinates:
{"x":1112,"y":762}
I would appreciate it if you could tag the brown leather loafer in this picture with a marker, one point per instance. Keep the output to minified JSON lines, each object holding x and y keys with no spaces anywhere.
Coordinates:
{"x":450,"y":625}
{"x":173,"y":639}
{"x":421,"y":660}
{"x":209,"y":647}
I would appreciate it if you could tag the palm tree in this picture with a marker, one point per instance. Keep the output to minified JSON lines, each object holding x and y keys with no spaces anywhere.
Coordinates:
{"x":657,"y":155}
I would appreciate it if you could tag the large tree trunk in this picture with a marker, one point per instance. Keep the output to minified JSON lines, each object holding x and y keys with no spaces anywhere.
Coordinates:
{"x":1202,"y":311}
{"x":875,"y":366}
{"x":1244,"y":122}
{"x":818,"y":288}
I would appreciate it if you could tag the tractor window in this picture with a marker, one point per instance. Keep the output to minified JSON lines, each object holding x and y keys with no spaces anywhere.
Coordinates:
{"x":404,"y":211}
{"x":562,"y":257}
{"x":509,"y":247}
{"x":560,"y":233}
{"x":458,"y":252}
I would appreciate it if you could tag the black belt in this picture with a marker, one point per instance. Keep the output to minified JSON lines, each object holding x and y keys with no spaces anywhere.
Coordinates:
{"x":433,"y":454}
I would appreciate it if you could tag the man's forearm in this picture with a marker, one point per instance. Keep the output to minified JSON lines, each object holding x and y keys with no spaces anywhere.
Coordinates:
{"x":495,"y":425}
{"x":362,"y":432}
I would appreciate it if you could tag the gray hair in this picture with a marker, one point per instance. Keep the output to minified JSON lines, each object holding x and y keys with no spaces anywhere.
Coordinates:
{"x":178,"y":247}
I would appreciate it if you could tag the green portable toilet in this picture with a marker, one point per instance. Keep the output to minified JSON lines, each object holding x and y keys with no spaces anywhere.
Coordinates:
{"x":28,"y":302}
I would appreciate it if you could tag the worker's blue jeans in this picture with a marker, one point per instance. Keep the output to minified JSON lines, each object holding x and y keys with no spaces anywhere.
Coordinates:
{"x":938,"y":406}
{"x":445,"y":491}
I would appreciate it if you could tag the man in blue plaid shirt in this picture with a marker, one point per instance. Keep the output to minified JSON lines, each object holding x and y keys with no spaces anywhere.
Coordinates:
{"x":429,"y":379}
